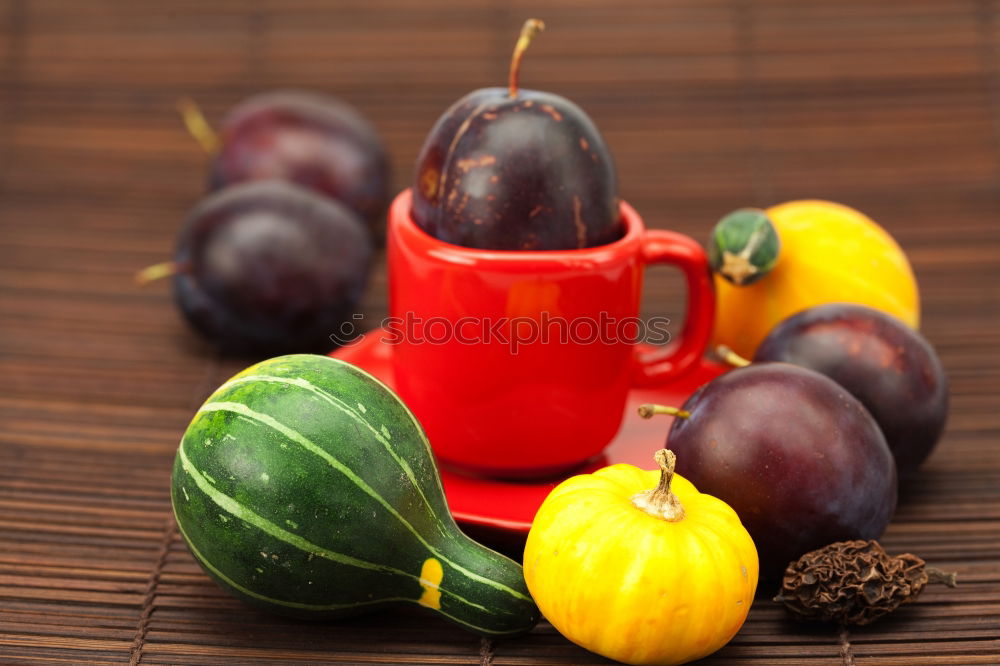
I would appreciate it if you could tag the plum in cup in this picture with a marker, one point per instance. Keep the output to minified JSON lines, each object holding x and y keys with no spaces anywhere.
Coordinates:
{"x":513,"y":169}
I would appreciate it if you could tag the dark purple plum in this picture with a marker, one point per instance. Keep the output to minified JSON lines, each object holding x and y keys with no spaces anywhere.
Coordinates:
{"x":798,"y":458}
{"x":512,"y":169}
{"x":884,"y":363}
{"x":311,"y":139}
{"x":270,"y":267}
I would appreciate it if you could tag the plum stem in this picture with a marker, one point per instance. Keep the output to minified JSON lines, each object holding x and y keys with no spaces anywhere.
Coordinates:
{"x":729,"y":356}
{"x":530,"y":28}
{"x":660,"y":501}
{"x":648,"y":411}
{"x":158,"y":272}
{"x":197,"y":125}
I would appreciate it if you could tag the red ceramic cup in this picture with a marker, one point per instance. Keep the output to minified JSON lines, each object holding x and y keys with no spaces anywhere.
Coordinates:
{"x":518,"y":363}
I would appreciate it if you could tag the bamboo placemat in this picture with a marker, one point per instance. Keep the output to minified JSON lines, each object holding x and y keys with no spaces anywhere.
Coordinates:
{"x":708,"y":105}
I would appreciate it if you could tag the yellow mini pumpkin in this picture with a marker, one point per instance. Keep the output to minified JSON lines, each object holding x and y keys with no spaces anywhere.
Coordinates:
{"x":640,"y":567}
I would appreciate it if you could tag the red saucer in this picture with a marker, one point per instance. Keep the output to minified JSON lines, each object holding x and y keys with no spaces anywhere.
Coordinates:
{"x":508,"y":507}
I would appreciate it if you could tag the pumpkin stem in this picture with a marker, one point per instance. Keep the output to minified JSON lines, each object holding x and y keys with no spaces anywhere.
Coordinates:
{"x":531,"y":28}
{"x":648,"y":411}
{"x":660,"y":501}
{"x":729,"y":356}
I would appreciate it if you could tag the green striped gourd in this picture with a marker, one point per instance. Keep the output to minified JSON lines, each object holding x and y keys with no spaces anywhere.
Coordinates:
{"x":305,"y":486}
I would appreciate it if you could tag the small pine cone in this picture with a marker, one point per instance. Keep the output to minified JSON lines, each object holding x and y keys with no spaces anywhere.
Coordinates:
{"x":854,"y":582}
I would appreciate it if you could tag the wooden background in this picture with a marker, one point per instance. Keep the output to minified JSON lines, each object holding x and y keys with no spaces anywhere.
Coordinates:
{"x":708,"y":105}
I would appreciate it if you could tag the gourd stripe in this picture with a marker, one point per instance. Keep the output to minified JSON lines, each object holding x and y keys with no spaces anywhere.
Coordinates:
{"x":437,"y":478}
{"x":298,"y":438}
{"x":236,"y":509}
{"x":341,"y":405}
{"x":406,"y":410}
{"x":280,"y":602}
{"x":226,"y":502}
{"x":316,"y":607}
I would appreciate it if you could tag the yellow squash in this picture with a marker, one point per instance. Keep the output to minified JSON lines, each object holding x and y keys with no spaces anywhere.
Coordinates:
{"x":829,"y":253}
{"x":640,"y":567}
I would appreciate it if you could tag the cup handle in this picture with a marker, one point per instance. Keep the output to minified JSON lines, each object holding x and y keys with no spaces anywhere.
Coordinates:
{"x":654,"y":365}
